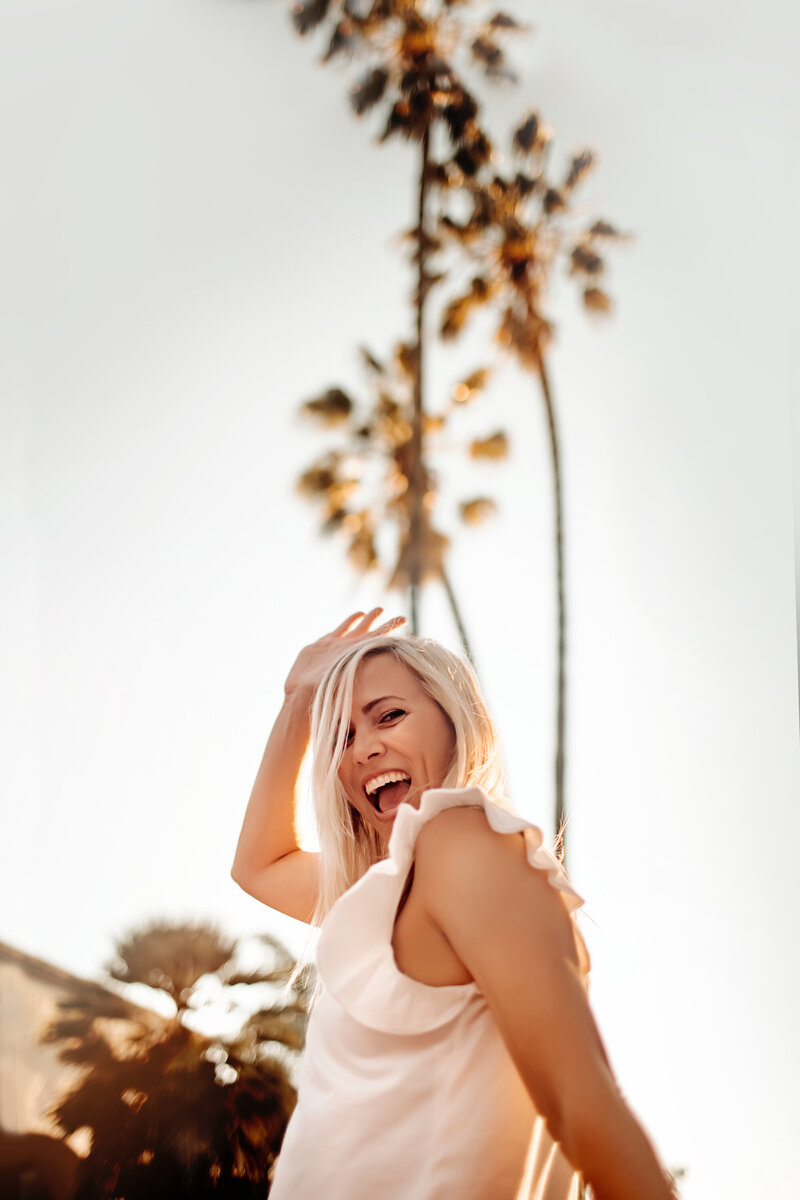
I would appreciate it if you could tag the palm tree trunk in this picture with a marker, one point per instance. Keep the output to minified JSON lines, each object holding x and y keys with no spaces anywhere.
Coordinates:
{"x":417,"y":474}
{"x":457,"y":617}
{"x":560,"y":807}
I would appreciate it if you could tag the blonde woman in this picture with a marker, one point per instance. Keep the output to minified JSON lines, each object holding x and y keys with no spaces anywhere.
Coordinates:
{"x":452,"y":1053}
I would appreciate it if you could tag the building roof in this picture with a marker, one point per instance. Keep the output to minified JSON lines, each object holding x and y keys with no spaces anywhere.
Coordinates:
{"x":57,"y":978}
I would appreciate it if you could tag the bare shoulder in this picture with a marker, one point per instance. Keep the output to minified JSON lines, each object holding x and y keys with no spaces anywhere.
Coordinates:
{"x":457,"y":838}
{"x":473,"y":879}
{"x":464,"y":822}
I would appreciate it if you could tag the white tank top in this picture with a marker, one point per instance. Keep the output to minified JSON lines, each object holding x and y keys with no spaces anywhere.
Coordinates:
{"x":407,"y":1091}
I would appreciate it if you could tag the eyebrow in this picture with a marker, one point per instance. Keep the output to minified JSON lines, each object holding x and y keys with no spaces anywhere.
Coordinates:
{"x":369,"y":707}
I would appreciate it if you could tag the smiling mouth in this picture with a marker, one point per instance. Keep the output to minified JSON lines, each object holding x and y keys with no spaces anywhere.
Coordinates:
{"x":388,"y":791}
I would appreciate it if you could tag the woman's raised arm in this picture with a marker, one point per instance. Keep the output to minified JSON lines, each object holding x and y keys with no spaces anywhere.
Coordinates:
{"x":514,"y":936}
{"x":269,"y":862}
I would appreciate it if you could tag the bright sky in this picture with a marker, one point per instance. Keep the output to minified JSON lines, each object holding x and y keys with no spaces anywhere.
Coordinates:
{"x":196,"y":238}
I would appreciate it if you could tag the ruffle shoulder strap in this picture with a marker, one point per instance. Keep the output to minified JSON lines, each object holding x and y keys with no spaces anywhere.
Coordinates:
{"x":409,"y":822}
{"x":355,"y":956}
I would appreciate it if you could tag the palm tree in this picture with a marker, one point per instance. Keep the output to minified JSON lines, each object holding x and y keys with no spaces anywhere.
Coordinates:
{"x":410,"y":46}
{"x":519,"y":229}
{"x":362,"y":482}
{"x":172,"y":1111}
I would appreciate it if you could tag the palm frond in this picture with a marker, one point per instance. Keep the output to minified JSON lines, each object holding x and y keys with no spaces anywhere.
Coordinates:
{"x":455,"y":316}
{"x":470,"y":157}
{"x":309,"y":14}
{"x":362,"y":552}
{"x":458,"y":310}
{"x":331,"y":408}
{"x":553,"y":201}
{"x":597,"y":301}
{"x":580,"y":165}
{"x":370,"y":361}
{"x":503,"y":21}
{"x":366,"y":92}
{"x":531,"y":137}
{"x":458,"y":113}
{"x":171,"y":958}
{"x":398,"y":121}
{"x":316,"y":481}
{"x":486,"y":52}
{"x":603,"y":229}
{"x":493,"y":447}
{"x":528,"y":336}
{"x":475,"y":512}
{"x":342,"y":40}
{"x":584,"y":261}
{"x":526,"y":185}
{"x":250,"y":978}
{"x":472,"y":386}
{"x":406,"y":357}
{"x":334,"y":520}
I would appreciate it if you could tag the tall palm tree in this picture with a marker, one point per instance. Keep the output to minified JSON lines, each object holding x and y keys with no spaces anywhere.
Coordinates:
{"x":171,"y":1111}
{"x":410,"y":45}
{"x":520,"y":228}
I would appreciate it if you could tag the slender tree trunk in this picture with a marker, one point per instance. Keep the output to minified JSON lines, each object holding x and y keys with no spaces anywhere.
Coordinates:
{"x":413,"y":604}
{"x":417,"y":522}
{"x":417,"y":475}
{"x":560,"y":807}
{"x":457,"y":617}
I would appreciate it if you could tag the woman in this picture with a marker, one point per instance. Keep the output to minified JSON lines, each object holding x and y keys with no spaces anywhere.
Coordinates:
{"x":452,"y":1054}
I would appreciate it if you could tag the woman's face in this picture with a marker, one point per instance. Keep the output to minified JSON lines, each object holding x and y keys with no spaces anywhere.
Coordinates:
{"x":399,"y":742}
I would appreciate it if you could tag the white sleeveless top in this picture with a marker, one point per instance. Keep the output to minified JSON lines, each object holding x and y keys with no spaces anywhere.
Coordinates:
{"x":407,"y":1091}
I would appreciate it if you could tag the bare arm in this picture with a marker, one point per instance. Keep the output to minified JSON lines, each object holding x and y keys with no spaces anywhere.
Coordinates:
{"x":270,"y":863}
{"x":513,"y":934}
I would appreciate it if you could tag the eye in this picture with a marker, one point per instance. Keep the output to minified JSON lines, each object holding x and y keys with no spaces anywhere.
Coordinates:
{"x":392,"y":715}
{"x":349,"y":738}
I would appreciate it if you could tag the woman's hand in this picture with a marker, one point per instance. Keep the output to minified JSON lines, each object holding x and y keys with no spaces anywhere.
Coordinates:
{"x":314,"y":660}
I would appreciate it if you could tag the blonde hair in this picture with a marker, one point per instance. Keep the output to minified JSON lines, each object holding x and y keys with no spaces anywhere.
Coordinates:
{"x":348,"y":847}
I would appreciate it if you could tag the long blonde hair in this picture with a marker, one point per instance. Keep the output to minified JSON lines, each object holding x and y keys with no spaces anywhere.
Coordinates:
{"x":348,"y":847}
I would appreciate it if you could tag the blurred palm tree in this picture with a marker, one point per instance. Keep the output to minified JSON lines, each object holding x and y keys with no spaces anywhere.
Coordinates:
{"x":171,"y":1111}
{"x":519,"y":226}
{"x":362,"y":483}
{"x":410,"y":46}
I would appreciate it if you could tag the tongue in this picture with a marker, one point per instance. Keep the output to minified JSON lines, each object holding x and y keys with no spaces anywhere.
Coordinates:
{"x":391,"y":795}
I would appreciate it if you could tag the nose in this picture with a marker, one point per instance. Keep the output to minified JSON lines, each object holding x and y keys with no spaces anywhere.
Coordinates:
{"x":366,"y":744}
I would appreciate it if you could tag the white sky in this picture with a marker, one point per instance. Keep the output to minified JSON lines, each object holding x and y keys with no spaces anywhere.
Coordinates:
{"x":196,"y":237}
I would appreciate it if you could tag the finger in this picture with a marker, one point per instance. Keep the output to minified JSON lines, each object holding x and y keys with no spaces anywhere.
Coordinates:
{"x":345,"y":625}
{"x":364,"y":626}
{"x":388,"y":626}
